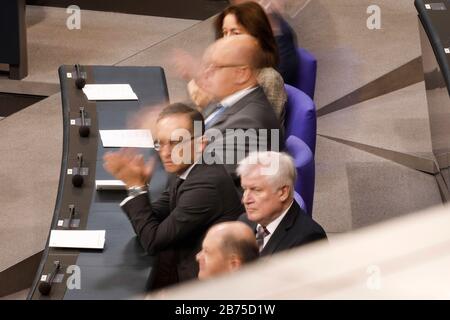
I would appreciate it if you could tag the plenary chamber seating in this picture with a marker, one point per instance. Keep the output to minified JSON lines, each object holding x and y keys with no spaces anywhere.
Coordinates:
{"x":434,"y":35}
{"x":307,"y":72}
{"x":121,"y":269}
{"x":301,"y":118}
{"x":305,"y":167}
{"x":301,"y":128}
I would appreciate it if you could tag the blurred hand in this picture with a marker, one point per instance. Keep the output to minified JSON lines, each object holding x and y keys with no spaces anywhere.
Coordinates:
{"x":200,"y":97}
{"x":128,"y":166}
{"x":145,"y":118}
{"x":184,"y":64}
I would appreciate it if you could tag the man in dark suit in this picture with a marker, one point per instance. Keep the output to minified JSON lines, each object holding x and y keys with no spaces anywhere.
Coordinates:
{"x":279,"y":223}
{"x":242,"y":119}
{"x":197,"y":197}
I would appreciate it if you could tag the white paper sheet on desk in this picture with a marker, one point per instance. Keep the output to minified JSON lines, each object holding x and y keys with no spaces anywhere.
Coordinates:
{"x":139,"y":138}
{"x":110,"y":185}
{"x":109,"y":92}
{"x":83,"y":239}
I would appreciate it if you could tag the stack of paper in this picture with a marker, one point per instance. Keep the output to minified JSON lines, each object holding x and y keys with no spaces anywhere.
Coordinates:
{"x":82,"y":239}
{"x":126,"y":138}
{"x":109,"y":185}
{"x":109,"y":92}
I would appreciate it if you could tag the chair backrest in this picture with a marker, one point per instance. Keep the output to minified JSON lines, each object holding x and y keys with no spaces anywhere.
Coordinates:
{"x":298,"y":198}
{"x":305,"y":167}
{"x":300,"y":118}
{"x":307,"y":72}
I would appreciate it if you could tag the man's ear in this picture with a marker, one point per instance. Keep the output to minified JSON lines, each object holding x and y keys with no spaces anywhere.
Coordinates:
{"x":284,"y":192}
{"x":243,"y":75}
{"x":201,"y":143}
{"x":234,"y":262}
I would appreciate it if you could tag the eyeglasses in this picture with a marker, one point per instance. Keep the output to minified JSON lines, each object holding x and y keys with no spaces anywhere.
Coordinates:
{"x":158,"y":145}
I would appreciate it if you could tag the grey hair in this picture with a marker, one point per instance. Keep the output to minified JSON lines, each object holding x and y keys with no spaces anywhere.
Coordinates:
{"x":278,"y":167}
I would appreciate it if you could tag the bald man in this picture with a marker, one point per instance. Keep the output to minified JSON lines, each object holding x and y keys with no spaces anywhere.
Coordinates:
{"x":239,"y":58}
{"x":241,"y":119}
{"x":225,"y":248}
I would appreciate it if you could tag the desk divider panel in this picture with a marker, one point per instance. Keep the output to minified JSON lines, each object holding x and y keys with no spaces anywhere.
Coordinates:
{"x":434,"y":31}
{"x":121,"y":270}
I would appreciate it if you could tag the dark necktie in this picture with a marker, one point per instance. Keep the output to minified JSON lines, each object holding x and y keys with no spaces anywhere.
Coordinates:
{"x":174,"y":195}
{"x":178,"y":183}
{"x":261,"y":233}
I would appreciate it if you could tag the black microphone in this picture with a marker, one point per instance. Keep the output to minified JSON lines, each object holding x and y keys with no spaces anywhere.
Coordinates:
{"x":80,"y":81}
{"x":46,"y":286}
{"x":77,"y":179}
{"x":84,"y":130}
{"x":72,"y":213}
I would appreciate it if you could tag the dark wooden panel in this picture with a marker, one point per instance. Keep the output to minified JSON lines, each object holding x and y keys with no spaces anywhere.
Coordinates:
{"x":184,"y":9}
{"x":20,"y":276}
{"x":11,"y":103}
{"x":13,"y":38}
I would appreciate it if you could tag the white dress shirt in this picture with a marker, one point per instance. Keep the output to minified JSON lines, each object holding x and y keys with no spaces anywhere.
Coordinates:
{"x":230,"y":100}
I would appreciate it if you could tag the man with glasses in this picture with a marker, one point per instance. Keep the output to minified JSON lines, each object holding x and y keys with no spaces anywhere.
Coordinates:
{"x":197,"y":196}
{"x":241,"y":119}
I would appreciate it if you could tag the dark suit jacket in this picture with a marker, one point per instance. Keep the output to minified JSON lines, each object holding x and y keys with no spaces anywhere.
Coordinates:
{"x":253,"y":111}
{"x":296,"y":229}
{"x":286,"y":40}
{"x":173,"y":227}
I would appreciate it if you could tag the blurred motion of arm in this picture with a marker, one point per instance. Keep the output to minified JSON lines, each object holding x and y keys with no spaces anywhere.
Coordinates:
{"x":198,"y":96}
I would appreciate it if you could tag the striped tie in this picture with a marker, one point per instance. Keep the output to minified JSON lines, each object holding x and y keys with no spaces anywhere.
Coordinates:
{"x":261,"y":233}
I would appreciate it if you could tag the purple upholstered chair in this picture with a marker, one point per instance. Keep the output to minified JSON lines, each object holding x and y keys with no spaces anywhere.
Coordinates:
{"x":307,"y":73}
{"x":300,"y":118}
{"x":300,"y":201}
{"x":304,"y":164}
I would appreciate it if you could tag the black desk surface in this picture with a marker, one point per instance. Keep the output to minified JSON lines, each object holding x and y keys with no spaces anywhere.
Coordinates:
{"x":122,"y":268}
{"x":436,"y":22}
